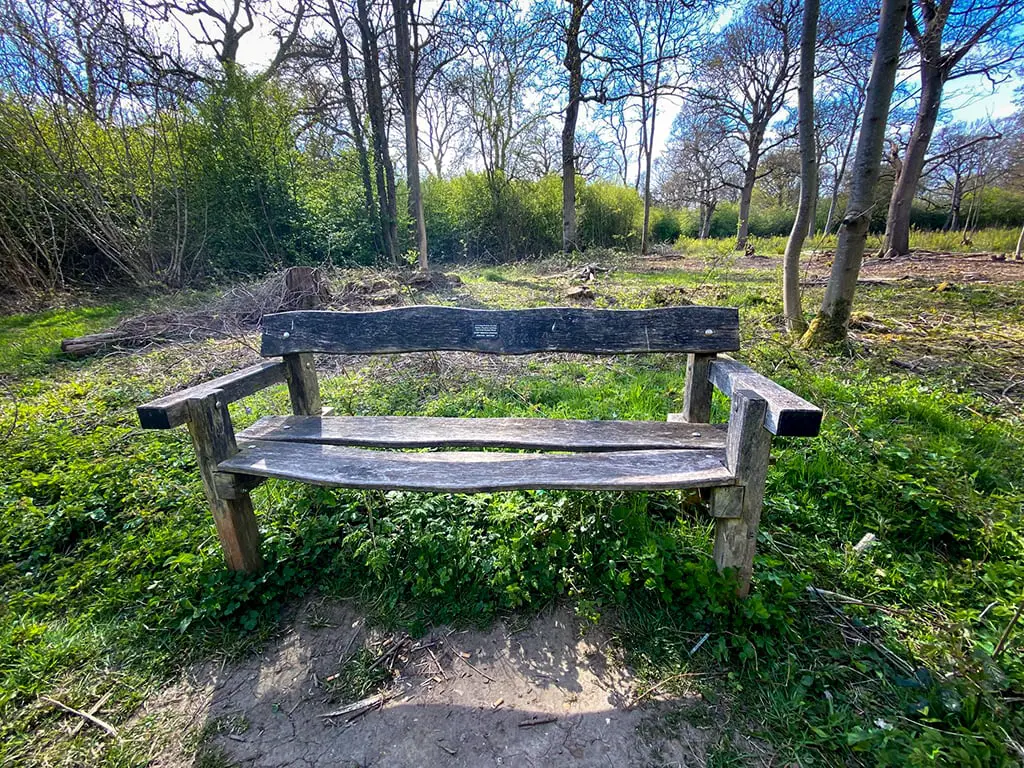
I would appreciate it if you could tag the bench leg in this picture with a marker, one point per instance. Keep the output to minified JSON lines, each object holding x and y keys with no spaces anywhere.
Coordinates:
{"x":303,"y":385}
{"x":737,"y":509}
{"x":697,"y":396}
{"x":214,"y":440}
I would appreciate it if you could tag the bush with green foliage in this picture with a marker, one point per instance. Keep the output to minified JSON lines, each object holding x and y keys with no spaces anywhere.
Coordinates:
{"x":610,"y":215}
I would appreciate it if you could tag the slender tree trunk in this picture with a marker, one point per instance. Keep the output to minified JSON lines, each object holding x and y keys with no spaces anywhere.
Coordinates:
{"x":383,"y":168}
{"x":355,"y":122}
{"x":407,"y":89}
{"x":743,"y":226}
{"x":833,"y":200}
{"x":573,"y":62}
{"x":1020,"y":245}
{"x":897,"y":225}
{"x":795,"y":322}
{"x":707,"y":211}
{"x":953,"y":219}
{"x":831,"y":323}
{"x":812,"y":217}
{"x":649,"y":151}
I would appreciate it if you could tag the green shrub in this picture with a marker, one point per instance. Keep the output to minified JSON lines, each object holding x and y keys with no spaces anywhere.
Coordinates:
{"x":610,"y":215}
{"x":667,"y":224}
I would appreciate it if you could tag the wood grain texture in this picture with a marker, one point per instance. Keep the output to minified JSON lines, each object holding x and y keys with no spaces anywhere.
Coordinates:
{"x":507,"y":332}
{"x":214,"y":440}
{"x":697,"y":396}
{"x":748,"y":445}
{"x":303,"y":385}
{"x":170,"y":411}
{"x":727,"y":502}
{"x":533,"y":434}
{"x":474,"y":471}
{"x":787,"y":414}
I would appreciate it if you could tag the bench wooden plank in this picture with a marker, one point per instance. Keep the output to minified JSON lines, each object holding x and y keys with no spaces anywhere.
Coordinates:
{"x":474,"y":471}
{"x":171,"y":410}
{"x":533,"y":434}
{"x":787,"y":414}
{"x":508,"y":332}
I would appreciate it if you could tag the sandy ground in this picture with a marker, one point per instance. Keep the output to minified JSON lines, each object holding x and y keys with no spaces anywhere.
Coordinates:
{"x":535,"y":695}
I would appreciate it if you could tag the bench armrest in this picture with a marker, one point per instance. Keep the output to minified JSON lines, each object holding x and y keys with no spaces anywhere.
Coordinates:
{"x":786,"y":414}
{"x":171,"y":410}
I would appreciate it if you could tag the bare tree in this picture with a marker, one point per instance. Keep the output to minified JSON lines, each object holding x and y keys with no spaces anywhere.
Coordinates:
{"x":951,"y":39}
{"x":832,"y":320}
{"x":403,"y":9}
{"x":697,"y":166}
{"x":745,"y":77}
{"x":445,"y":137}
{"x":957,"y":166}
{"x":384,"y":170}
{"x":502,"y":64}
{"x":795,"y":322}
{"x":653,"y":45}
{"x":338,"y":19}
{"x":573,"y":63}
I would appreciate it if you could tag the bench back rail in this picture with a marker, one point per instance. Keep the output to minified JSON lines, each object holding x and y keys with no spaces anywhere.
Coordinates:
{"x":503,"y":332}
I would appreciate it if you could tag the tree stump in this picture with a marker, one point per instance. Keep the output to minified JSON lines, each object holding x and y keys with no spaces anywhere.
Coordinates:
{"x":305,"y":288}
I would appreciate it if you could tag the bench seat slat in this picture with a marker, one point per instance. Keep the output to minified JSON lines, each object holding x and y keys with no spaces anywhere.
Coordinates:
{"x":474,"y":471}
{"x":525,"y":433}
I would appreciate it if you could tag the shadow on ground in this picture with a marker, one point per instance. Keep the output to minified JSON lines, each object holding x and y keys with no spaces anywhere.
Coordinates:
{"x":539,"y":694}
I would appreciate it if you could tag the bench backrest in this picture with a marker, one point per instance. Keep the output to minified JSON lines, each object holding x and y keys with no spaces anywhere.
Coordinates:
{"x":503,"y":331}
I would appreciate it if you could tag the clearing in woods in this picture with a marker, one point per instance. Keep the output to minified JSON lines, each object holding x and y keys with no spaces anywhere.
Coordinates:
{"x":576,"y":629}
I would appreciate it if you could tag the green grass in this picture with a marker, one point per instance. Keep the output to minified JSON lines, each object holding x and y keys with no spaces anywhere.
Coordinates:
{"x":111,"y":575}
{"x":30,"y":342}
{"x":988,"y":240}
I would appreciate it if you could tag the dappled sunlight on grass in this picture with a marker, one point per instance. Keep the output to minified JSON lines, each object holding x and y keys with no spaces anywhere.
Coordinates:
{"x":111,"y":574}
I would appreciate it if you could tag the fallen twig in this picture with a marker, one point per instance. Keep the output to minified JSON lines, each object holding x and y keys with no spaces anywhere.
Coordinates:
{"x":1001,"y":645}
{"x":537,"y":721}
{"x":478,"y":671}
{"x":370,"y":701}
{"x":91,"y":718}
{"x":93,"y":710}
{"x":637,"y":699}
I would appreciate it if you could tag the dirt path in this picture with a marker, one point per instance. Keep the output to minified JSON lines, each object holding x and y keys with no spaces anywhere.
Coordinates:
{"x":536,"y":695}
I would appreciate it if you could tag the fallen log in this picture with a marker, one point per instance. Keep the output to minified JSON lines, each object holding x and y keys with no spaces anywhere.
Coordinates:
{"x":239,"y":309}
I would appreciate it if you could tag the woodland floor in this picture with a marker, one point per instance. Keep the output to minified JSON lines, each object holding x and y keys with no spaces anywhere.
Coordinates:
{"x":593,"y":663}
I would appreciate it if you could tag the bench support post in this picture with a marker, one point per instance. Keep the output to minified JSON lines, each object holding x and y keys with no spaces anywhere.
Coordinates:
{"x":303,"y":385}
{"x":747,"y":448}
{"x":697,"y":397}
{"x":214,"y":441}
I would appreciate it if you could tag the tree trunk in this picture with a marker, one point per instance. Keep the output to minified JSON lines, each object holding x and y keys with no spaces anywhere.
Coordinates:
{"x":795,"y":322}
{"x":407,"y":90}
{"x":649,"y":151}
{"x":953,"y":219}
{"x":897,"y":225}
{"x":1020,"y":245}
{"x":743,"y":227}
{"x":574,"y":64}
{"x":707,"y":211}
{"x":831,"y":323}
{"x":383,"y":168}
{"x":812,"y":218}
{"x":355,"y":122}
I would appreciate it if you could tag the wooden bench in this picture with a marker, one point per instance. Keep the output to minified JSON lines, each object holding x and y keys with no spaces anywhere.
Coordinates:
{"x":686,"y":451}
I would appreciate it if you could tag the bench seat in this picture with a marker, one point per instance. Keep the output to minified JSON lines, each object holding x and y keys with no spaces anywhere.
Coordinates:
{"x":521,"y":433}
{"x":479,"y":471}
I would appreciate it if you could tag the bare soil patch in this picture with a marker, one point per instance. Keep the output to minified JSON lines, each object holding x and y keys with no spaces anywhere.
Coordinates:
{"x":540,"y":694}
{"x":930,"y":266}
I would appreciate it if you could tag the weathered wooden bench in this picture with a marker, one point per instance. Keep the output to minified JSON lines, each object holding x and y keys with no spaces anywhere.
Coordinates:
{"x":344,"y":451}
